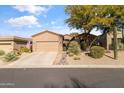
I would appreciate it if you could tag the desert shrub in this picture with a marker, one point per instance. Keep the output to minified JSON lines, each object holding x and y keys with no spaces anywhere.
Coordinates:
{"x":64,"y":48}
{"x":17,"y":52}
{"x":67,"y":52}
{"x":2,"y":52}
{"x":97,"y":51}
{"x":76,"y":58}
{"x":25,"y":49}
{"x":74,"y":48}
{"x":121,"y":46}
{"x":83,"y":45}
{"x":71,"y":54}
{"x":10,"y":57}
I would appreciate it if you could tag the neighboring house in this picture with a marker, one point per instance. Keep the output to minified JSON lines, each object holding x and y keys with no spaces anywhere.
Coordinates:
{"x":83,"y":37}
{"x":10,"y":43}
{"x":47,"y":41}
{"x":67,"y":39}
{"x":107,"y":40}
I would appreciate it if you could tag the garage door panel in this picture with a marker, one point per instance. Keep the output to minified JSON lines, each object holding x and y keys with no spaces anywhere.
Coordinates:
{"x":6,"y":47}
{"x":47,"y":46}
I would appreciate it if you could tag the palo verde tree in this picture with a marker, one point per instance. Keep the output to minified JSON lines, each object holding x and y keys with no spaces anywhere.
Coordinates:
{"x":103,"y":17}
{"x":74,"y":33}
{"x":80,"y":17}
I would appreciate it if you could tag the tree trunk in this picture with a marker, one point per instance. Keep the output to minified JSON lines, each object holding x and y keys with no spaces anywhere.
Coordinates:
{"x":115,"y":44}
{"x":93,"y":41}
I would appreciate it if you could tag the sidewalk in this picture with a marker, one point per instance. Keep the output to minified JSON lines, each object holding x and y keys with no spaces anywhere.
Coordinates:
{"x":64,"y":66}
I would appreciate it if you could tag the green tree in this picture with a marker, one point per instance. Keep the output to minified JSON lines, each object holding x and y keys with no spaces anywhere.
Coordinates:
{"x":103,"y":17}
{"x":74,"y":34}
{"x":80,"y":17}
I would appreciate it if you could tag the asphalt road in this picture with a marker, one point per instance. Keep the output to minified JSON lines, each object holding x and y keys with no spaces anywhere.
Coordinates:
{"x":67,"y":77}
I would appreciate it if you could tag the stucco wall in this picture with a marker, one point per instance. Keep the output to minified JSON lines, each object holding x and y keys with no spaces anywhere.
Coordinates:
{"x":7,"y":46}
{"x":67,"y":37}
{"x":109,"y":39}
{"x":19,"y":44}
{"x":49,"y":38}
{"x":46,"y":37}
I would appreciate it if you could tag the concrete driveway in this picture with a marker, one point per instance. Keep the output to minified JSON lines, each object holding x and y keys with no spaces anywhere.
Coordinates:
{"x":35,"y":59}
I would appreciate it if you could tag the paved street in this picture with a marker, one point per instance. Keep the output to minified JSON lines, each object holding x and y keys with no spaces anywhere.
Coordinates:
{"x":56,"y":77}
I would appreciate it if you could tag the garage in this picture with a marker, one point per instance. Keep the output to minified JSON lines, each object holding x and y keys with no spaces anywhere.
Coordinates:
{"x":11,"y":43}
{"x":6,"y":46}
{"x":44,"y":46}
{"x":47,"y":41}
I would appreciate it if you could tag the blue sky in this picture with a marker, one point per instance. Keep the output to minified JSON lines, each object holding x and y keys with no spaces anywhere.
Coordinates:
{"x":28,"y":20}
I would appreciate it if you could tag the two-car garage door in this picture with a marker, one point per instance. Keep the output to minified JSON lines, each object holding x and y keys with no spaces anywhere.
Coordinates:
{"x":7,"y":47}
{"x":47,"y":46}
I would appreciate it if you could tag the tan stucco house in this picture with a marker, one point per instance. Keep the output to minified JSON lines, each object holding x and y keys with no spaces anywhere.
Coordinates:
{"x":107,"y":40}
{"x":11,"y":43}
{"x":47,"y":41}
{"x":67,"y":37}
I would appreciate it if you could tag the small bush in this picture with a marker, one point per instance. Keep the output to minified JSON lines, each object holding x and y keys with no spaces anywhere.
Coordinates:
{"x":97,"y":51}
{"x":64,"y":48}
{"x":17,"y":52}
{"x":74,"y":48}
{"x":67,"y":52}
{"x":83,"y":46}
{"x":76,"y":58}
{"x":2,"y":52}
{"x":71,"y":54}
{"x":25,"y":49}
{"x":10,"y":57}
{"x":121,"y":46}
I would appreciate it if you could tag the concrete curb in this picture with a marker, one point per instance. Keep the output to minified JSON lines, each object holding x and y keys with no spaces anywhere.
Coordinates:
{"x":66,"y":66}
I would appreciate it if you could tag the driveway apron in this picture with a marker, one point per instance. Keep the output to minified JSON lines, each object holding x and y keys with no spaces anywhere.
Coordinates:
{"x":37,"y":58}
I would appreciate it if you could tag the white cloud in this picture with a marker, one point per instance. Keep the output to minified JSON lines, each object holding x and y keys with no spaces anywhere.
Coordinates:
{"x":61,"y":29}
{"x":23,"y":21}
{"x":38,"y":25}
{"x":53,"y":22}
{"x":66,"y":30}
{"x":33,"y":9}
{"x":45,"y":16}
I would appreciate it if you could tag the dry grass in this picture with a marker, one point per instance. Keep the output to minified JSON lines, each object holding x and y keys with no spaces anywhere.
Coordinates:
{"x":105,"y":60}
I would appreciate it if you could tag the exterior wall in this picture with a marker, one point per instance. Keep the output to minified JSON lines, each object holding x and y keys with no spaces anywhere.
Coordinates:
{"x":103,"y":41}
{"x":106,"y":40}
{"x":109,"y":39}
{"x":46,"y":36}
{"x":67,"y":37}
{"x":7,"y":46}
{"x":19,"y":44}
{"x":48,"y":41}
{"x":47,"y":46}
